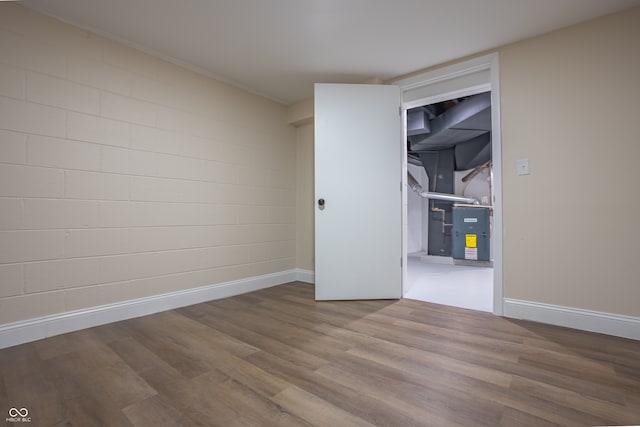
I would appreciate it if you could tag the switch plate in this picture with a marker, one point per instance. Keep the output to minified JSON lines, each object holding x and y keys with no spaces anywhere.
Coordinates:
{"x":523,"y":167}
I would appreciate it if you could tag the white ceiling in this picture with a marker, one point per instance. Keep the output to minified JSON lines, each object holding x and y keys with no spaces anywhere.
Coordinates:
{"x":279,"y":48}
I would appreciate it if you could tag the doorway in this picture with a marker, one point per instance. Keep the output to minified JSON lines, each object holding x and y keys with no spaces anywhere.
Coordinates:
{"x":452,"y":135}
{"x":449,"y":210}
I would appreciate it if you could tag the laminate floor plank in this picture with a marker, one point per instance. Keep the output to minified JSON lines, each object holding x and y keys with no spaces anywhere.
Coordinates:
{"x":345,"y":398}
{"x":627,"y":372}
{"x":478,"y":325}
{"x":315,"y":410}
{"x":395,"y":355}
{"x":301,"y":322}
{"x":619,"y":413}
{"x":80,"y":397}
{"x":294,"y":313}
{"x":515,"y":418}
{"x":289,"y":352}
{"x":26,"y":381}
{"x":454,"y":347}
{"x":64,"y":344}
{"x":286,"y":329}
{"x":276,"y":357}
{"x":249,"y":407}
{"x":449,"y":383}
{"x":427,"y":401}
{"x":189,"y":397}
{"x":137,"y":356}
{"x":203,"y":339}
{"x":155,"y":411}
{"x":456,"y":341}
{"x":251,"y":376}
{"x":112,"y":331}
{"x":597,"y":372}
{"x":170,"y":346}
{"x":559,"y":374}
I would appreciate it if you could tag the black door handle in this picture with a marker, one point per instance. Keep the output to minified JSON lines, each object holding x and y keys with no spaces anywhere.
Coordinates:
{"x":321,"y":202}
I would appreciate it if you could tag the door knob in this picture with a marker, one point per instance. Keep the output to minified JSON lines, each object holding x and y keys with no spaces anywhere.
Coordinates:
{"x":321,"y":202}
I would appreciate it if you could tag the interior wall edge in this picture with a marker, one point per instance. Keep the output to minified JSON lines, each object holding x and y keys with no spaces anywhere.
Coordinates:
{"x":306,"y":276}
{"x":586,"y":320}
{"x":34,"y":329}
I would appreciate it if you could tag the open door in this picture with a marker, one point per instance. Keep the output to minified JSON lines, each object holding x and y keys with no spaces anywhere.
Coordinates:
{"x":358,"y":212}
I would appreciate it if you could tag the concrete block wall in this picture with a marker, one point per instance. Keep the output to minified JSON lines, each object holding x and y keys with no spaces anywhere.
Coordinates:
{"x":124,"y":176}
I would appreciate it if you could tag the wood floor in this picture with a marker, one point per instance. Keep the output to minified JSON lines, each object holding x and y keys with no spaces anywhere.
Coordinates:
{"x":277,"y":358}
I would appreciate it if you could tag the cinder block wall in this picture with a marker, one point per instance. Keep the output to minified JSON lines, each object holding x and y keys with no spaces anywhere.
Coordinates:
{"x":124,"y":176}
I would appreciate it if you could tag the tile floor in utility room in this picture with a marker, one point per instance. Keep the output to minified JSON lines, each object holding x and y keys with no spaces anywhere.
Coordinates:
{"x":449,"y":284}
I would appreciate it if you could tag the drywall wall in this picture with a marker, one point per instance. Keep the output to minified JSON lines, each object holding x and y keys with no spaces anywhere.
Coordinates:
{"x":569,"y":104}
{"x":305,"y":206}
{"x":123,"y":176}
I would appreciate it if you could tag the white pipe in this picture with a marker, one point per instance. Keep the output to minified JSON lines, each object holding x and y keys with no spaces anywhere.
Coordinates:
{"x":415,"y":186}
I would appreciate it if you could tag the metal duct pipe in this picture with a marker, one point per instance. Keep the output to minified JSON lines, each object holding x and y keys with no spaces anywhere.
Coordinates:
{"x":415,"y":186}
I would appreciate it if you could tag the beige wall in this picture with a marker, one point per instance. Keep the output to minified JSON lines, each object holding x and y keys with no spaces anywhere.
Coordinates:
{"x":305,"y":213}
{"x":570,"y":103}
{"x":124,"y":176}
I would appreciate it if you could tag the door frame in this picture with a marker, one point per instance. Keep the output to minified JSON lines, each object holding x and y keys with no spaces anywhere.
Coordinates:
{"x":447,"y":83}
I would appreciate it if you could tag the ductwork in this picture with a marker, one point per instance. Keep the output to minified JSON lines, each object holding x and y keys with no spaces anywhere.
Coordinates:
{"x":468,"y":119}
{"x":415,"y":186}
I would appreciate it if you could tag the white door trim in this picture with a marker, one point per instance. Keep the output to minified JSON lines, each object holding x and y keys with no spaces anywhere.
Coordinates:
{"x":442,"y":75}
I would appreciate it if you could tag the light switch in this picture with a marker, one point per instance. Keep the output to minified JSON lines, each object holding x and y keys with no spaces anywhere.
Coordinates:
{"x":523,"y":167}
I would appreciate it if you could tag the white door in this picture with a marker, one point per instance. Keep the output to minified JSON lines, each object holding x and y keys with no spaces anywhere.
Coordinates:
{"x":358,"y":212}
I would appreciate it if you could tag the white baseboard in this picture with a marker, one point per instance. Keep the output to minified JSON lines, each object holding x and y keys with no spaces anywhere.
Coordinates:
{"x":307,"y":276}
{"x":34,"y":329}
{"x":586,"y":320}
